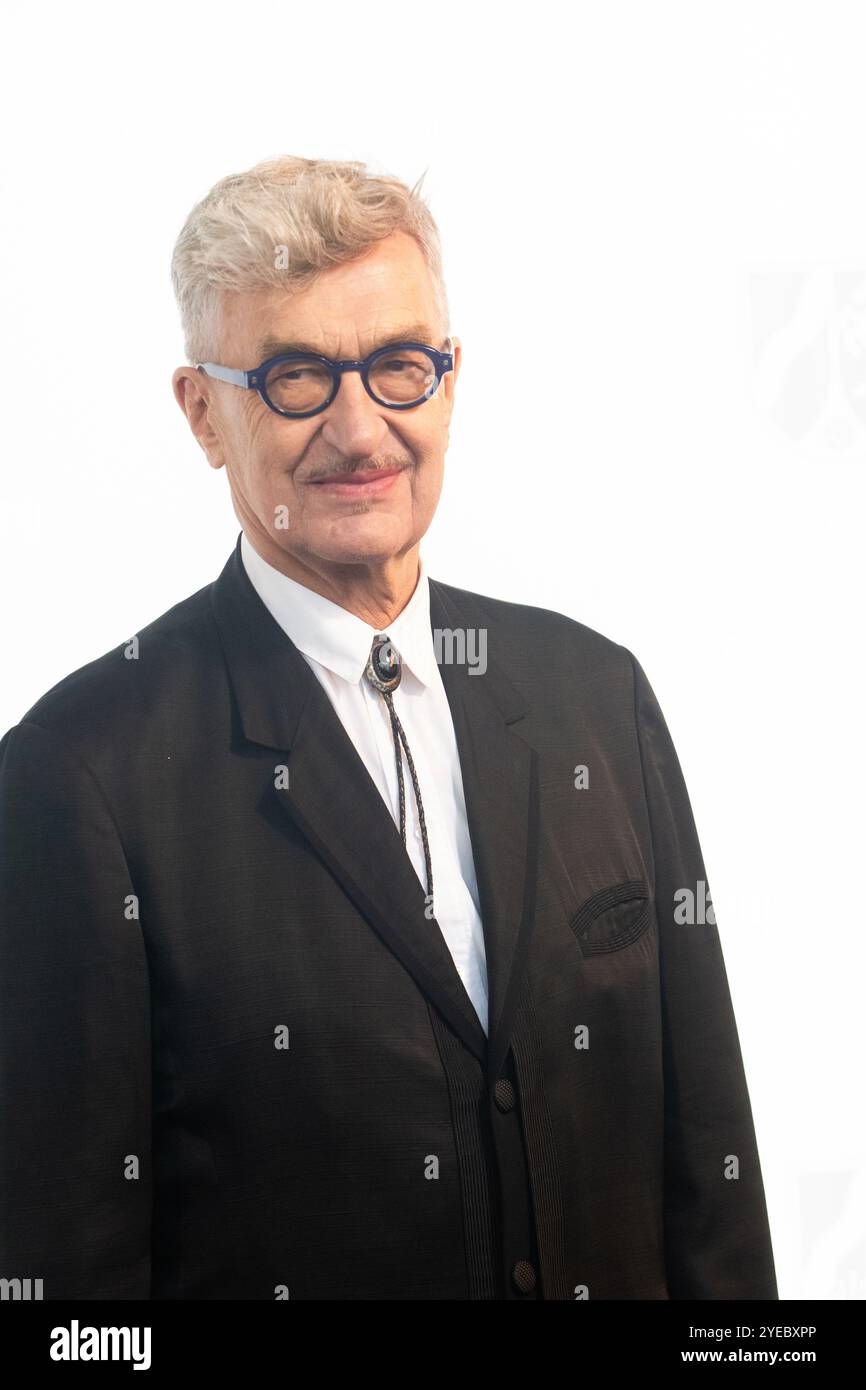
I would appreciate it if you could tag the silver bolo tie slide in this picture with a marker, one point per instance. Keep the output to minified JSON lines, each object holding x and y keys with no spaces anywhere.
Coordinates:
{"x":384,"y":671}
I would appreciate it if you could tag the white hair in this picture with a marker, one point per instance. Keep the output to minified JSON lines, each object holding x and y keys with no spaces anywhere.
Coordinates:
{"x":281,"y":223}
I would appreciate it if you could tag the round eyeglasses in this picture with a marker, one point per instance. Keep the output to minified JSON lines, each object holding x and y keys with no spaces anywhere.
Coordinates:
{"x":297,"y":384}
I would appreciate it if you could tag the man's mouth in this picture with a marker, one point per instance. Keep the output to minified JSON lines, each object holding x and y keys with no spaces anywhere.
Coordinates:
{"x":367,"y":483}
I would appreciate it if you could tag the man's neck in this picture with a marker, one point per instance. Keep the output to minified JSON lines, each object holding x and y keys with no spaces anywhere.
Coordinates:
{"x":376,"y":592}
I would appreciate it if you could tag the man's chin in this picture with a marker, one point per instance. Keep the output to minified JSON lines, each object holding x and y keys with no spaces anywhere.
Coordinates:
{"x":361,"y":539}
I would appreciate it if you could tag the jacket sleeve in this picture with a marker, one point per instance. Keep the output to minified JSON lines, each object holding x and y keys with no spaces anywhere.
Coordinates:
{"x":717,"y":1238}
{"x":75,"y":1114}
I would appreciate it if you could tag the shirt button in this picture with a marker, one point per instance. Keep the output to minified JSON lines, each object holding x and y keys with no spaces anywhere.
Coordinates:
{"x":523,"y":1276}
{"x":503,"y":1094}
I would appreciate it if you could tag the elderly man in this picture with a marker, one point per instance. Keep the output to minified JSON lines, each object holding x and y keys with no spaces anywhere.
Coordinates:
{"x":357,"y":942}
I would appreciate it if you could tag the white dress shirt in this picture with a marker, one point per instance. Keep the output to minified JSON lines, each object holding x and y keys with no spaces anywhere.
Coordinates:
{"x":336,"y":644}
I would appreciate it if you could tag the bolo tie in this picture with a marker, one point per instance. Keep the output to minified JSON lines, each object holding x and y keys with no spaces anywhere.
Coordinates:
{"x":384,"y":671}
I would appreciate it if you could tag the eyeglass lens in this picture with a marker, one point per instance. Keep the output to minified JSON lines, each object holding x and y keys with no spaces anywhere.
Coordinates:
{"x":401,"y":378}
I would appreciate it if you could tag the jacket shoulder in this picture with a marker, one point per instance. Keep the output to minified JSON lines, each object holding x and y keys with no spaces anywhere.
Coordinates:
{"x":549,"y":631}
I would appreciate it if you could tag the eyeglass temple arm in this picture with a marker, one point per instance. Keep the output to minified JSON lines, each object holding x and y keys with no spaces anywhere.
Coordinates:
{"x":230,"y":374}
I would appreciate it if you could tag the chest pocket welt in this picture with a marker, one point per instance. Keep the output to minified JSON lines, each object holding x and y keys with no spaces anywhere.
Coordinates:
{"x":612,"y":918}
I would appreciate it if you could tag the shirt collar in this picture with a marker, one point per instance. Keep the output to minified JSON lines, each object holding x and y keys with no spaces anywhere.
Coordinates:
{"x":334,"y":637}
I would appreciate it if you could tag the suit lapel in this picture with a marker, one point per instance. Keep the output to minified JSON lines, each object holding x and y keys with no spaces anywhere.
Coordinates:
{"x":500,"y":783}
{"x":334,"y":802}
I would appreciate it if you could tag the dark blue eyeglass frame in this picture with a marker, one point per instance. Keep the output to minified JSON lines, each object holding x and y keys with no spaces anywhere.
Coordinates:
{"x":255,"y":380}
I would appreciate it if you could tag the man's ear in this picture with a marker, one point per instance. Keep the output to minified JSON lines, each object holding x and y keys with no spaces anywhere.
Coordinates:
{"x":457,"y":354}
{"x":192,"y":393}
{"x":450,"y":383}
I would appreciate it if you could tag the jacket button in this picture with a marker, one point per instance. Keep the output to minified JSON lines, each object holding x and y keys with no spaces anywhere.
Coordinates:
{"x":523,"y":1276}
{"x":503,"y":1094}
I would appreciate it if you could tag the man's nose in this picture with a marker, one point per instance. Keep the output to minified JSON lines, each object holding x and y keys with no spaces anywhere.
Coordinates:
{"x":353,"y":422}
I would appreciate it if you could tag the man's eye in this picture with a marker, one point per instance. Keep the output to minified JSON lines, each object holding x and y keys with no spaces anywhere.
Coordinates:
{"x":398,"y":365}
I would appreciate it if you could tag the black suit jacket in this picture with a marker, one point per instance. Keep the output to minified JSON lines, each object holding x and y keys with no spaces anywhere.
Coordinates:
{"x":238,"y":1060}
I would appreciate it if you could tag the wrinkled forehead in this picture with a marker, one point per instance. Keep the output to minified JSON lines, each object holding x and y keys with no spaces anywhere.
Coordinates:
{"x":384,"y":296}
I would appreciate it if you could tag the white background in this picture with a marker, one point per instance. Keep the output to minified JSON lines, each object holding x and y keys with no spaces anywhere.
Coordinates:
{"x":666,"y":202}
